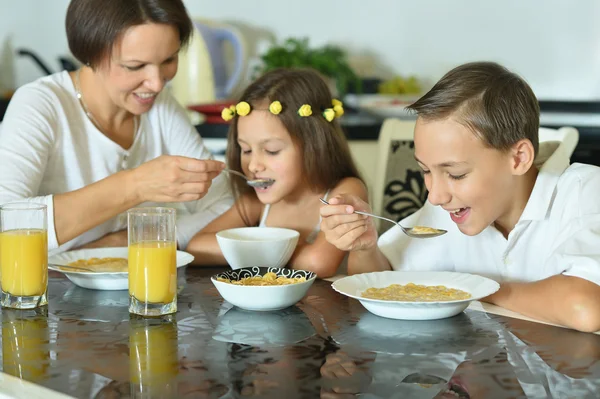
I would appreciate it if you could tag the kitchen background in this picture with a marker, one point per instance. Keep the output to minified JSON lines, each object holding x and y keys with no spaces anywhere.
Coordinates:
{"x":553,"y":44}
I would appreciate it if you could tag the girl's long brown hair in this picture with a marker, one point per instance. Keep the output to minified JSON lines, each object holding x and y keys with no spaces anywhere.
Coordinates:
{"x":323,"y":145}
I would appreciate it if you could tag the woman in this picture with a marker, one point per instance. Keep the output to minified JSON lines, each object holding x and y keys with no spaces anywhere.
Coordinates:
{"x":93,"y":143}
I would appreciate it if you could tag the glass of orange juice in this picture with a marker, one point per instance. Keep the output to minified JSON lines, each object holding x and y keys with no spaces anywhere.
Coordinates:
{"x":153,"y":356}
{"x":25,"y":344}
{"x":152,"y":261}
{"x":23,"y":255}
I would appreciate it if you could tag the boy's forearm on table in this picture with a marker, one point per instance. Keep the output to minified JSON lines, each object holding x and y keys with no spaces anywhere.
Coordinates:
{"x":564,"y":300}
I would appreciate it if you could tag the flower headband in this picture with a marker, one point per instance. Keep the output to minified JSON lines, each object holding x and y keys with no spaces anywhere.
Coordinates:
{"x":243,"y":108}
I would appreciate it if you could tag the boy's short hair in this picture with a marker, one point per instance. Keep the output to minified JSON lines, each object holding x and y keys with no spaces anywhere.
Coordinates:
{"x":493,"y":102}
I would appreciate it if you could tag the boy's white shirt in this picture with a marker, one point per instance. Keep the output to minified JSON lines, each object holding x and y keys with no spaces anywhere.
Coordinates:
{"x":558,"y":233}
{"x":49,"y":146}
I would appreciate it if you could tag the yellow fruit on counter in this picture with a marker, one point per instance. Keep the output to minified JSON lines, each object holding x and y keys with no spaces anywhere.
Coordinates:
{"x":400,"y":85}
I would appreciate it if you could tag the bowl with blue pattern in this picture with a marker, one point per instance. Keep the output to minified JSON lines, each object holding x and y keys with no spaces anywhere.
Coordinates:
{"x":263,"y":297}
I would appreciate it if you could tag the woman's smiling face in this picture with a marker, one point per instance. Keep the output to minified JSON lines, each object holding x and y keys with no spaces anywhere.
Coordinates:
{"x":142,"y":61}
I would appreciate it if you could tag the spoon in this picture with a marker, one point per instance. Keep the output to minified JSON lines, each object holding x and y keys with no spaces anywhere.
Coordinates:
{"x":74,"y":268}
{"x":415,"y":232}
{"x":259,"y":183}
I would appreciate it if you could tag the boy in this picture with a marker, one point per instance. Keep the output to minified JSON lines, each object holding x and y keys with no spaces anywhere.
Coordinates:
{"x":532,"y":224}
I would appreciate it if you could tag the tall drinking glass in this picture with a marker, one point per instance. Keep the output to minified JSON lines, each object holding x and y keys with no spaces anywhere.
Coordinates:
{"x":152,"y":261}
{"x":23,"y":255}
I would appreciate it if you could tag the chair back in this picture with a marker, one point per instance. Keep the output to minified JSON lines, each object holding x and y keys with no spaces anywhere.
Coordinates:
{"x":564,"y":139}
{"x":399,"y":187}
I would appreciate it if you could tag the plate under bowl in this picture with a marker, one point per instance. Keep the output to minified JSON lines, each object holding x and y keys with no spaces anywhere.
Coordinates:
{"x":106,"y":280}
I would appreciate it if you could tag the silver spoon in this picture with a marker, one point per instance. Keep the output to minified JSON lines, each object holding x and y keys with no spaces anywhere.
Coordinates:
{"x":259,"y":183}
{"x":409,"y":231}
{"x":74,"y":268}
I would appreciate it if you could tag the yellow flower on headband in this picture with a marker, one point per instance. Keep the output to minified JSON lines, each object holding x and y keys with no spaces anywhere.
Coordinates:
{"x":329,"y":114}
{"x":228,"y":113}
{"x":275,"y":107}
{"x":339,"y":110}
{"x":305,"y":110}
{"x":335,"y":102}
{"x":242,"y":108}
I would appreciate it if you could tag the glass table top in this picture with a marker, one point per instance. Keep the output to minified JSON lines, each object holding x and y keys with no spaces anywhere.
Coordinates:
{"x":86,"y":345}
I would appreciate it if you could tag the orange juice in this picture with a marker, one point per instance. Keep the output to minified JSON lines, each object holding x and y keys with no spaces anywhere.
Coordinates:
{"x":24,"y":261}
{"x":153,"y":356}
{"x":153,"y":271}
{"x":25,"y":348}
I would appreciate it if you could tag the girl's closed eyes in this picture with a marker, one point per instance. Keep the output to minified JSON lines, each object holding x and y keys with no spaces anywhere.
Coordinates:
{"x":269,"y":152}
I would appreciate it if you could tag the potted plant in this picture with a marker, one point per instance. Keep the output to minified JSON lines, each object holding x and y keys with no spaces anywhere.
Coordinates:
{"x":331,"y":61}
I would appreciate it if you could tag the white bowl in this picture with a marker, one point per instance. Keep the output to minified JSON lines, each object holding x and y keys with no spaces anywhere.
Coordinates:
{"x":105,"y":280}
{"x":263,"y":298}
{"x":257,"y":246}
{"x":477,"y":286}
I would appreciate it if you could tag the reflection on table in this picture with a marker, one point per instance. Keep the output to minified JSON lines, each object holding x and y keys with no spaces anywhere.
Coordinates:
{"x":328,"y":346}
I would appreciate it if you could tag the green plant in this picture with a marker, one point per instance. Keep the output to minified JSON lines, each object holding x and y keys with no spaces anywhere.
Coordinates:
{"x":331,"y":61}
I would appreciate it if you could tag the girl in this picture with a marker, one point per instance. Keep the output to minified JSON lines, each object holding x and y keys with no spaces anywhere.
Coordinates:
{"x":285,"y":129}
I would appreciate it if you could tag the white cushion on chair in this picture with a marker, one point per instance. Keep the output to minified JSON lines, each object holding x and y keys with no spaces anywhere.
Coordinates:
{"x":566,"y":138}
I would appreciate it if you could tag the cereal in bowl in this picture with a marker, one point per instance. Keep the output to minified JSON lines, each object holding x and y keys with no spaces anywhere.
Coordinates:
{"x":102,"y":265}
{"x":269,"y":278}
{"x":416,"y":293}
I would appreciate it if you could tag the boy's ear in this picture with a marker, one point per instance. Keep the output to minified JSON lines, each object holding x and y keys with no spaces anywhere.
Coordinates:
{"x":522,"y":157}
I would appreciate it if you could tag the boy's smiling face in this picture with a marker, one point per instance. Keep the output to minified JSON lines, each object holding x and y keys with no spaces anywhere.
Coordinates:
{"x":476,"y":184}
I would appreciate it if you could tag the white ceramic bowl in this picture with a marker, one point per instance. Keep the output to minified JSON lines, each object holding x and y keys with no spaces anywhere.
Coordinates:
{"x":263,"y":298}
{"x":477,"y":286}
{"x":102,"y":281}
{"x":257,"y":246}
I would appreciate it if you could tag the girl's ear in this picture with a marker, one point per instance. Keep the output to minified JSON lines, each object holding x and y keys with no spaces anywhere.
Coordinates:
{"x":522,"y":157}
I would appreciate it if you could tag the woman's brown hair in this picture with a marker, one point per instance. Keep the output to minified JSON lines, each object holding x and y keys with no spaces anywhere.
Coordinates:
{"x":93,"y":26}
{"x":325,"y":152}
